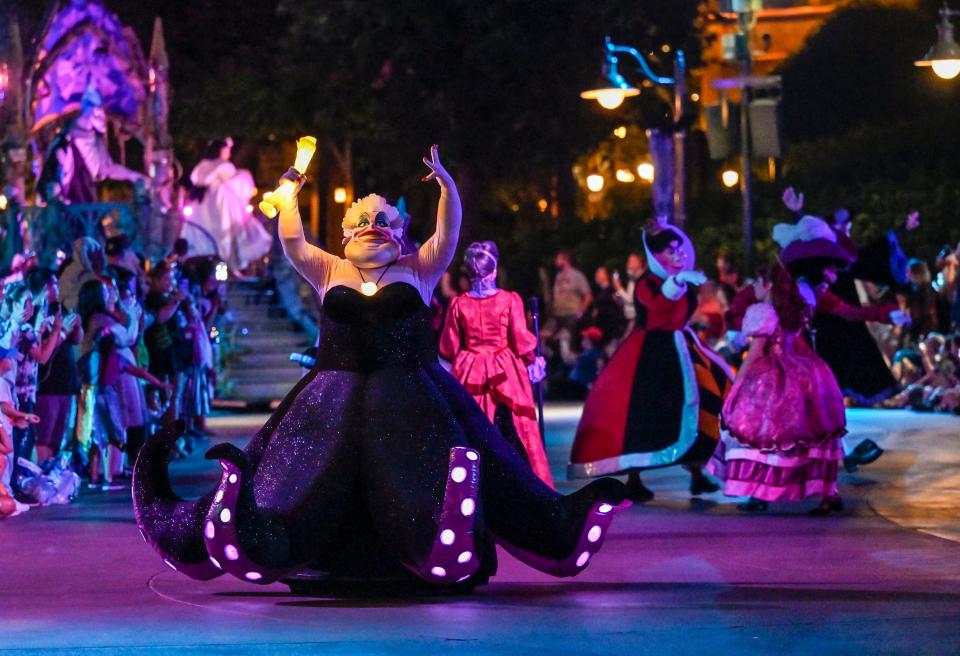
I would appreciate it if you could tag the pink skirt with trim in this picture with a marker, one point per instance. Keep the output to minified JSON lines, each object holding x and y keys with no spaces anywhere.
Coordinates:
{"x":774,"y":475}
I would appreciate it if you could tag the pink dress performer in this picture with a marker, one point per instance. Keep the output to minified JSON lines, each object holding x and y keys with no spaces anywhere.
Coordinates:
{"x":485,"y":337}
{"x":785,"y":415}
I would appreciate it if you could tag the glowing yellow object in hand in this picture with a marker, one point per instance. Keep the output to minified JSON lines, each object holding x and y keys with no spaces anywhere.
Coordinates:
{"x":270,"y":205}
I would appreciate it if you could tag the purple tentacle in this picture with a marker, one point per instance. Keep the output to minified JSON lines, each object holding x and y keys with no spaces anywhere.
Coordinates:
{"x":169,"y":524}
{"x":239,"y":539}
{"x":589,"y":543}
{"x":453,"y":557}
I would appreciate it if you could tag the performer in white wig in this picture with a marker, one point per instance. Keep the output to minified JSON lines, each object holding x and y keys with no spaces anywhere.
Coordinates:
{"x":220,"y":223}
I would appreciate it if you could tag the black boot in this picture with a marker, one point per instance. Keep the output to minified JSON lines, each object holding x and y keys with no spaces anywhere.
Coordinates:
{"x":702,"y":485}
{"x":827,"y":506}
{"x":753,"y":505}
{"x":637,"y":491}
{"x":864,"y":453}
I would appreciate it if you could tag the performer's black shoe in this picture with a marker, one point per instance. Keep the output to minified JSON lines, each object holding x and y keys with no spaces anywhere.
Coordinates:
{"x":702,"y":485}
{"x":827,"y":506}
{"x":638,"y":492}
{"x":864,"y":453}
{"x":753,"y":505}
{"x":868,"y":451}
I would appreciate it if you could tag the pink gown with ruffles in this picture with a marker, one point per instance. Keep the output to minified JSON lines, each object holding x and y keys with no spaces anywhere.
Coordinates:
{"x":488,"y":342}
{"x":784,"y":419}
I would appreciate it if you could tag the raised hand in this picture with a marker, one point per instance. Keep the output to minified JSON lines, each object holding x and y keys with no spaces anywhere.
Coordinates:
{"x":913,"y":220}
{"x":792,"y":199}
{"x":298,"y":179}
{"x":437,"y":172}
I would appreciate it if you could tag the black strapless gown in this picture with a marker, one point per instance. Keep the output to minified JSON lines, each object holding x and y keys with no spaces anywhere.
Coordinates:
{"x":377,"y":461}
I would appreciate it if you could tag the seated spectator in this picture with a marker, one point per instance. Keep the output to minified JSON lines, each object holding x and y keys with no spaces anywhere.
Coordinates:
{"x":587,"y":360}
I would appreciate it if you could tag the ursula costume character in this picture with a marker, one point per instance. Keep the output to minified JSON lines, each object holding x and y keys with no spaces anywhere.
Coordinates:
{"x":485,"y":337}
{"x":785,"y":414}
{"x":378,"y":463}
{"x":657,"y":402}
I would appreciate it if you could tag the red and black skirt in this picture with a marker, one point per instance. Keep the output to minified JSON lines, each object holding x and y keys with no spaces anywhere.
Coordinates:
{"x":657,"y":403}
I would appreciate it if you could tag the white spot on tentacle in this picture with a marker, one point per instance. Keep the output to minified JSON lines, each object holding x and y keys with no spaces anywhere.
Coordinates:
{"x":594,"y":533}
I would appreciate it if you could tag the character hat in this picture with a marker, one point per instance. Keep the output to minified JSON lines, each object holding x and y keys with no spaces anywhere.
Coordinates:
{"x":656,"y":226}
{"x":371,"y":206}
{"x":810,"y":237}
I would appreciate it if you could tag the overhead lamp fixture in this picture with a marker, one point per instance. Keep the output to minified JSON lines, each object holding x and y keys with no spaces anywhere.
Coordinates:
{"x":944,"y":56}
{"x":611,"y":90}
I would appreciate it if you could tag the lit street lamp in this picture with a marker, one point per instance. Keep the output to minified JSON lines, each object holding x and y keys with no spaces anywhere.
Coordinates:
{"x":730,"y":178}
{"x":944,"y":56}
{"x":595,"y":182}
{"x":613,"y":89}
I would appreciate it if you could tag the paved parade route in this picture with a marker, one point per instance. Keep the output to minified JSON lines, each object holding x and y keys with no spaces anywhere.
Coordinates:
{"x":675,"y":577}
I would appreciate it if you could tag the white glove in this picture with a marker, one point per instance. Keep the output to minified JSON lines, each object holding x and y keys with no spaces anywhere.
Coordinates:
{"x":792,"y":199}
{"x":538,"y":370}
{"x":690,"y":278}
{"x":899,"y":318}
{"x":737,"y":340}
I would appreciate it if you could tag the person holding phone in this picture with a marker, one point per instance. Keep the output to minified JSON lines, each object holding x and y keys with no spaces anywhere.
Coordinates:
{"x":58,"y":382}
{"x":164,"y":303}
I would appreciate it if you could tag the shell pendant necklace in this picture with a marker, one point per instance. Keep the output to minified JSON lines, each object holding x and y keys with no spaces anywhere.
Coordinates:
{"x":368,"y":287}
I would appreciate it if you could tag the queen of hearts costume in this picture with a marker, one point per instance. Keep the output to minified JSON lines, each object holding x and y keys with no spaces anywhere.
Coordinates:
{"x":656,"y":403}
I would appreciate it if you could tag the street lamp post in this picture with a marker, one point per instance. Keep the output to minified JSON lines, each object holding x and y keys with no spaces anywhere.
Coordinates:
{"x":746,"y":20}
{"x":613,"y":89}
{"x":944,"y":56}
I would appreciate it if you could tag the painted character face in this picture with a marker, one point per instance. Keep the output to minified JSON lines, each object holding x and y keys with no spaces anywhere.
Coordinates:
{"x":672,"y":258}
{"x":372,"y":244}
{"x":372,"y":231}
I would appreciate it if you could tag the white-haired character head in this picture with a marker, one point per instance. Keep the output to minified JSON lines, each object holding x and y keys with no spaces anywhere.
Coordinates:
{"x":372,"y":229}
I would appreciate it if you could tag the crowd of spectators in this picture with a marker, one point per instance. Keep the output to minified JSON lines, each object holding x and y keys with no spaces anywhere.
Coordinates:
{"x":97,"y":351}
